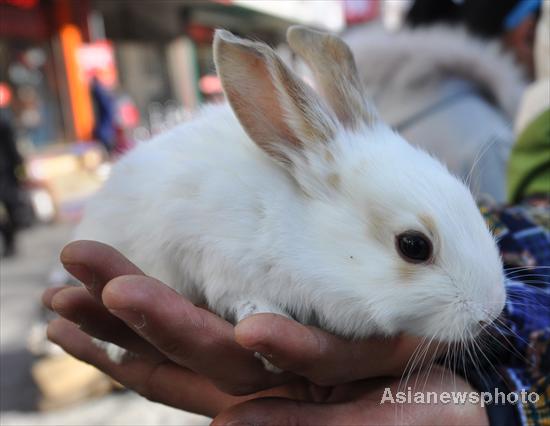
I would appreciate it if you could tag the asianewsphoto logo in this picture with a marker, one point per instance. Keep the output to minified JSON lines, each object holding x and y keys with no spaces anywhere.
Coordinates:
{"x":460,"y":398}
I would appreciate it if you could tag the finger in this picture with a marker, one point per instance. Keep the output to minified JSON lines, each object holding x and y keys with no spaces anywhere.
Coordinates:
{"x":320,"y":356}
{"x":79,"y":307}
{"x":189,"y":336}
{"x":162,"y":382}
{"x":95,"y":264}
{"x":49,"y":293}
{"x":283,"y":412}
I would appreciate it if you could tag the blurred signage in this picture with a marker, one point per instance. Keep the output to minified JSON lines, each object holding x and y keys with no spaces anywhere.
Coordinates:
{"x":98,"y":60}
{"x":5,"y":95}
{"x":23,"y":4}
{"x":23,"y":19}
{"x":357,"y":11}
{"x":210,"y":84}
{"x":200,"y":33}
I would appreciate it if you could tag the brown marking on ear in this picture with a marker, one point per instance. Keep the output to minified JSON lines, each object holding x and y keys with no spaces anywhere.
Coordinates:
{"x":255,"y":63}
{"x":333,"y":48}
{"x":333,"y":180}
{"x":311,"y":128}
{"x":279,"y":112}
{"x":329,"y":158}
{"x":429,"y":223}
{"x":335,"y":72}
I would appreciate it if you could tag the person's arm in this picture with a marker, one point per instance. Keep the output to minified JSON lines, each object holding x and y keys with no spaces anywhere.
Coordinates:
{"x":516,"y":351}
{"x":526,"y":325}
{"x":505,"y":358}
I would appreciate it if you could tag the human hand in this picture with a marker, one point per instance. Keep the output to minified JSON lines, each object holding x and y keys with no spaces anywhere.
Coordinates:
{"x":359,"y":403}
{"x":191,"y":358}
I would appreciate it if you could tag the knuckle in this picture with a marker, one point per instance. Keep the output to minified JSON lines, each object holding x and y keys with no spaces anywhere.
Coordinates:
{"x":187,"y":339}
{"x":148,"y":387}
{"x":182,"y":350}
{"x":177,"y":351}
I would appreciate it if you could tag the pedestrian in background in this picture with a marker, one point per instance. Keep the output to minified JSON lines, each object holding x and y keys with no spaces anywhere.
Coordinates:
{"x":451,"y":79}
{"x":104,"y":111}
{"x":529,"y":167}
{"x":10,"y":162}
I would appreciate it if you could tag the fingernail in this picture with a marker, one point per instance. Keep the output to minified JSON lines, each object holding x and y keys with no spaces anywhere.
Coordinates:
{"x":48,"y":295}
{"x":82,"y":273}
{"x":134,"y":318}
{"x":53,"y":332}
{"x":58,"y":307}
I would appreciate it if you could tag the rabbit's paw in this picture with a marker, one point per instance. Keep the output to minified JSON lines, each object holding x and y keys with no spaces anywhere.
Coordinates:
{"x":114,"y":352}
{"x":247,"y":308}
{"x":267,"y":364}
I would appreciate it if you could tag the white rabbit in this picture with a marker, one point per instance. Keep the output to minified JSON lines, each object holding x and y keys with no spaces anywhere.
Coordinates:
{"x":304,"y":205}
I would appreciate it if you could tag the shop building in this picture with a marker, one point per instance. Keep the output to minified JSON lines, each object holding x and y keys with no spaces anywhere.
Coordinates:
{"x":154,"y":57}
{"x":155,"y":54}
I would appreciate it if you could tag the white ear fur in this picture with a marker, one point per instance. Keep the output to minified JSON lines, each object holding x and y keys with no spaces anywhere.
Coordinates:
{"x":279,"y":112}
{"x":336,"y":74}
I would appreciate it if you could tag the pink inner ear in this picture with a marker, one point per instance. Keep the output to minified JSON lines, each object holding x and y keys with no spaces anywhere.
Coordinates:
{"x":274,"y":107}
{"x":250,"y":90}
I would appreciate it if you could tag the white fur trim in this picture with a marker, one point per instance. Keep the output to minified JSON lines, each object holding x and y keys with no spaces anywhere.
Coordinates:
{"x":437,"y":52}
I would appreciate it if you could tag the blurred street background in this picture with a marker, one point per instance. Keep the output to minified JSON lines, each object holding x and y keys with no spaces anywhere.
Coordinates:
{"x":80,"y":402}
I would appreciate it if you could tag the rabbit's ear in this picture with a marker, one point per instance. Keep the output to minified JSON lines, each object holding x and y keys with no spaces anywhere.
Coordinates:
{"x":336,"y":74}
{"x":279,"y":112}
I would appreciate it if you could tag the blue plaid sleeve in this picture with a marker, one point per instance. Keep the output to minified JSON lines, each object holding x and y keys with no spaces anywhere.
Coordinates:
{"x":523,"y":353}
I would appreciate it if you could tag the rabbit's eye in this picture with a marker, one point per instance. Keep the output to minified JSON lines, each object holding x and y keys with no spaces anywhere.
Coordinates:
{"x":414,"y":247}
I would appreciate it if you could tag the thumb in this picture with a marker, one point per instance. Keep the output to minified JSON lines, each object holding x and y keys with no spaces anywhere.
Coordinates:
{"x":283,"y":412}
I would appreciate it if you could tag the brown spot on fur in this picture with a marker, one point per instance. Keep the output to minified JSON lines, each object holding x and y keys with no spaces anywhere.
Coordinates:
{"x":429,"y":223}
{"x":377,"y":225}
{"x":333,"y":180}
{"x":329,"y":157}
{"x":379,"y":229}
{"x":405,"y":271}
